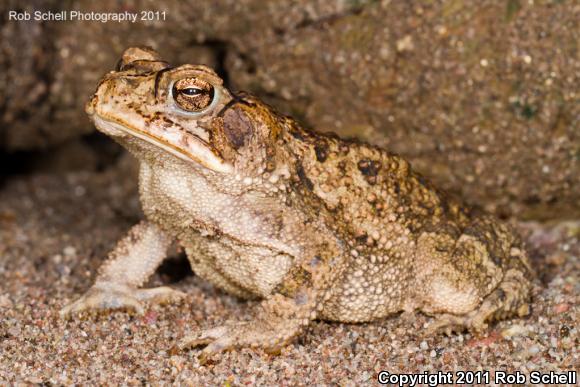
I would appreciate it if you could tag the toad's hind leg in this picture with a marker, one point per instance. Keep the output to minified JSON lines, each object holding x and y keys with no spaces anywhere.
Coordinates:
{"x":510,"y":298}
{"x":474,"y":278}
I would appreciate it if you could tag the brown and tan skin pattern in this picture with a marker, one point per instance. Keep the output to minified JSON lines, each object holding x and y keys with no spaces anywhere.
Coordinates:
{"x":316,"y":226}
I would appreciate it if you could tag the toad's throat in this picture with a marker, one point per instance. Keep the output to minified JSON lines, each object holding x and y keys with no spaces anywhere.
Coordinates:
{"x":199,"y":151}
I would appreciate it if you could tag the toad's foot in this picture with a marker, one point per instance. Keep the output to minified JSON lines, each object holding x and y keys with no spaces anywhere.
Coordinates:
{"x":107,"y":296}
{"x":449,"y":323}
{"x":473,"y":322}
{"x":510,"y":298}
{"x":279,"y":320}
{"x":257,"y":334}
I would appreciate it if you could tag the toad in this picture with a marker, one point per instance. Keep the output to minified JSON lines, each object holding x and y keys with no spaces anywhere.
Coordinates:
{"x":315,"y":226}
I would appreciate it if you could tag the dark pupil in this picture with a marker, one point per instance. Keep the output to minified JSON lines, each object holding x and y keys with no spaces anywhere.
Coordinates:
{"x":192,"y":91}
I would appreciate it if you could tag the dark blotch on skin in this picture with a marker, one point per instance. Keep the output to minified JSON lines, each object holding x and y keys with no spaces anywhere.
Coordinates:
{"x":501,"y":294}
{"x":321,"y":151}
{"x":496,"y":259}
{"x":397,"y":188}
{"x":301,"y":298}
{"x":237,"y":127}
{"x":362,"y":239}
{"x":314,"y":262}
{"x":297,"y":135}
{"x":369,"y":167}
{"x":303,"y":178}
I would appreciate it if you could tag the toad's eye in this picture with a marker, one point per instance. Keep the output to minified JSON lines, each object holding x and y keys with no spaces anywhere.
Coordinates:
{"x":193,"y":94}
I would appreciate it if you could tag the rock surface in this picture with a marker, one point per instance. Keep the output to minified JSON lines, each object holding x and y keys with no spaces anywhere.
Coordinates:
{"x":483,"y":98}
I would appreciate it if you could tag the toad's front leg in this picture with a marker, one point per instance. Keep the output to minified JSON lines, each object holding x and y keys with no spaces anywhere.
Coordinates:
{"x":130,"y":264}
{"x":278,"y":321}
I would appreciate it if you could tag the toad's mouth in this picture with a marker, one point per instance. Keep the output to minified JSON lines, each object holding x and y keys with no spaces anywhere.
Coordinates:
{"x":198,"y":150}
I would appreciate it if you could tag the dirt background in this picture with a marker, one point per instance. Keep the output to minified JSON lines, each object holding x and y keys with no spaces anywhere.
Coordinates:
{"x":482,"y":97}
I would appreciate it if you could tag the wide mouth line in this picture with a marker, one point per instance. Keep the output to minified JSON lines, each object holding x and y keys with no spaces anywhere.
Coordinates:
{"x":148,"y":137}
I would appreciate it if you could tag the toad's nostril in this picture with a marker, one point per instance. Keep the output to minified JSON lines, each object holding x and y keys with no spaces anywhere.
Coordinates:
{"x":90,"y":105}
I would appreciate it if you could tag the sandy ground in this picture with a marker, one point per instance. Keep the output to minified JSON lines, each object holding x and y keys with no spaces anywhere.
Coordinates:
{"x":56,"y":229}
